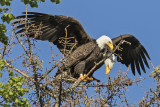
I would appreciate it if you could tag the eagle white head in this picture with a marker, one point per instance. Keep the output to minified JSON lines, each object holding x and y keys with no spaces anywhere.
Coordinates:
{"x":102,"y":42}
{"x":109,"y":62}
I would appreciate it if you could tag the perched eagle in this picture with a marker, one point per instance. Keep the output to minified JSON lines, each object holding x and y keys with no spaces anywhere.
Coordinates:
{"x":81,"y":51}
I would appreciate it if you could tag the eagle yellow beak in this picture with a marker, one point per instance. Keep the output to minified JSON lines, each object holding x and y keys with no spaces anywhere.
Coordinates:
{"x":107,"y":69}
{"x":110,"y":45}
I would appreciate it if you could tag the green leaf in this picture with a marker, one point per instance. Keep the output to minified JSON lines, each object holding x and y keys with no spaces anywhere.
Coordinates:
{"x":10,"y":82}
{"x":3,"y":10}
{"x":7,"y":17}
{"x":19,"y":83}
{"x":58,"y":1}
{"x":16,"y":101}
{"x":24,"y":99}
{"x":3,"y":37}
{"x":34,"y":3}
{"x":5,"y":2}
{"x":43,"y":0}
{"x":6,"y":96}
{"x":11,"y":73}
{"x":2,"y":63}
{"x":10,"y":93}
{"x":16,"y":74}
{"x":0,"y":74}
{"x":26,"y":90}
{"x":1,"y":85}
{"x":53,"y":0}
{"x":14,"y":85}
{"x":5,"y":105}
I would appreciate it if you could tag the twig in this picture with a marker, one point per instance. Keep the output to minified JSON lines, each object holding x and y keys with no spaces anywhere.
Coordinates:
{"x":19,"y":71}
{"x":106,"y":85}
{"x":48,"y":71}
{"x":152,"y":65}
{"x":60,"y":93}
{"x":126,"y":72}
{"x":52,"y":52}
{"x":65,"y":42}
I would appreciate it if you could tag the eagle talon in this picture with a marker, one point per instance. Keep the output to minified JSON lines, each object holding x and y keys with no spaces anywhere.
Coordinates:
{"x":83,"y":77}
{"x":90,"y":78}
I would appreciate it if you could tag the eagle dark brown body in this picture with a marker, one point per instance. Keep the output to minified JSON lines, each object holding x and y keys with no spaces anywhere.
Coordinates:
{"x":82,"y":60}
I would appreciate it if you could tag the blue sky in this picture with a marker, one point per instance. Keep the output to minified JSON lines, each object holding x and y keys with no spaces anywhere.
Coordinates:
{"x":140,"y":18}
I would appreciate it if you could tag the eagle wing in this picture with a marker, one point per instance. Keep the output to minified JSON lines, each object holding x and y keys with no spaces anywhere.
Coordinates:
{"x":65,"y":32}
{"x":134,"y":53}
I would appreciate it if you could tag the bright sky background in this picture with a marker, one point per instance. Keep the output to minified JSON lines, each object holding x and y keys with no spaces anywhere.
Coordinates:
{"x":112,"y":18}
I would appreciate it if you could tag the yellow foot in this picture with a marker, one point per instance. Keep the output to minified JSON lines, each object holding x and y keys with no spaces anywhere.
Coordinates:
{"x":83,"y":77}
{"x":90,"y":78}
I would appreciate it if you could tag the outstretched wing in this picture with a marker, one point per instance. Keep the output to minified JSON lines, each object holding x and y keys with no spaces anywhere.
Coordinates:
{"x":65,"y":32}
{"x":134,"y":53}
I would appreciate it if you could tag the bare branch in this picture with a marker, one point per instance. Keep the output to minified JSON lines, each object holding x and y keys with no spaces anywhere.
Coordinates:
{"x":19,"y":71}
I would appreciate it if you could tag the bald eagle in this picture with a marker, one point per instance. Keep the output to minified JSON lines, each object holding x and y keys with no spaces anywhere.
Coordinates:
{"x":81,"y":51}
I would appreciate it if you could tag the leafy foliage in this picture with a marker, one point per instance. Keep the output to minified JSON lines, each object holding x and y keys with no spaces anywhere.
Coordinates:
{"x":34,"y":3}
{"x":12,"y":92}
{"x":2,"y":63}
{"x":3,"y":9}
{"x":3,"y":37}
{"x":7,"y":17}
{"x":5,"y":2}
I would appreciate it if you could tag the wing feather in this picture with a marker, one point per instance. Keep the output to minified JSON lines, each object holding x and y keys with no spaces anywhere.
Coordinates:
{"x":51,"y":28}
{"x":141,"y":64}
{"x":144,"y":50}
{"x":134,"y":53}
{"x":144,"y":59}
{"x":132,"y":67}
{"x":137,"y":66}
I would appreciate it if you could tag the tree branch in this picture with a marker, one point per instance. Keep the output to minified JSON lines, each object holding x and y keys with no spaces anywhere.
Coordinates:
{"x":19,"y":71}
